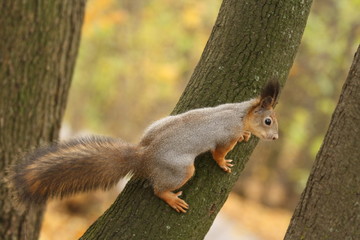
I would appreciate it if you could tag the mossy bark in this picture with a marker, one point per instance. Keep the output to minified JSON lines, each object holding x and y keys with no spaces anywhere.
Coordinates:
{"x":39,"y":40}
{"x":251,"y":42}
{"x":329,"y":207}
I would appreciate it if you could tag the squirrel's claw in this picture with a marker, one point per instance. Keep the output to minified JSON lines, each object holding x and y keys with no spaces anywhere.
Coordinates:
{"x":178,"y":204}
{"x":227,"y":165}
{"x":245,"y":136}
{"x":173,"y":200}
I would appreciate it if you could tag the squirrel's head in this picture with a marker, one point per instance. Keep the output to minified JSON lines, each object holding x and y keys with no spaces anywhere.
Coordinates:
{"x":261,"y":120}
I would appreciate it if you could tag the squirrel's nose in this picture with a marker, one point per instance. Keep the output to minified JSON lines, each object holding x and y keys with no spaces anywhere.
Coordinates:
{"x":276,"y":136}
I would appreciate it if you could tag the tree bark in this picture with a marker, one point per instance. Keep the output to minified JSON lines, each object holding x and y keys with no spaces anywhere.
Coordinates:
{"x":39,"y":40}
{"x":251,"y":42}
{"x":329,"y":207}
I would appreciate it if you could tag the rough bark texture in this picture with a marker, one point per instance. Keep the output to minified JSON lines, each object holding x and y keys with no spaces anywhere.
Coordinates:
{"x":329,"y":207}
{"x":39,"y":40}
{"x":251,"y":42}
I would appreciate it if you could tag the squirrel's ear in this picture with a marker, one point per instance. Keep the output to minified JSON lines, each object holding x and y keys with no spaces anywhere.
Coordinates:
{"x":266,"y":102}
{"x":272,"y":90}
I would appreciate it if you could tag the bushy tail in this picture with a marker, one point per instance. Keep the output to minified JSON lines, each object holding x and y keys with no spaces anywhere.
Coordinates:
{"x":77,"y":165}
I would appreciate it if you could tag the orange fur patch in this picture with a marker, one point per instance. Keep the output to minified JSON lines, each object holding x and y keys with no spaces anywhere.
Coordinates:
{"x":220,"y":151}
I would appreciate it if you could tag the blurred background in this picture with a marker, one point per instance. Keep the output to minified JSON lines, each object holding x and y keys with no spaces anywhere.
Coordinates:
{"x":135,"y":60}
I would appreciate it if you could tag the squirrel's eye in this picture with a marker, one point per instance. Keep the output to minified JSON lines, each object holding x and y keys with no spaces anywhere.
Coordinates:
{"x":267,"y":121}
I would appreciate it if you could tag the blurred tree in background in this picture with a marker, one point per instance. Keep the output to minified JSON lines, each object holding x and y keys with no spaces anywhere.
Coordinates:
{"x":135,"y":59}
{"x":329,"y":207}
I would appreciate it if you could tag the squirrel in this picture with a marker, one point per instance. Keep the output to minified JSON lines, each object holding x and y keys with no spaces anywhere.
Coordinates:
{"x":165,"y":154}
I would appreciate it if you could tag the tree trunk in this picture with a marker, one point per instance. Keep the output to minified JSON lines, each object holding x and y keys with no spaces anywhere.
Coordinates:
{"x":329,"y":207}
{"x":251,"y":42}
{"x":38,"y":47}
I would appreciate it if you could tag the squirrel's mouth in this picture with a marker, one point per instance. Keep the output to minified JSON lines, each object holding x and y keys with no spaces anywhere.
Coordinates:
{"x":272,"y":137}
{"x":268,"y":137}
{"x":275,"y":137}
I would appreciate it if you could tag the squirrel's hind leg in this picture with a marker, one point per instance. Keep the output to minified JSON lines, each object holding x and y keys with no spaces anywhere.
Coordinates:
{"x":164,"y":192}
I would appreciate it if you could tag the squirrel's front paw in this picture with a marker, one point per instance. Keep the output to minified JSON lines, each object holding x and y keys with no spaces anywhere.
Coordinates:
{"x":245,"y":136}
{"x":226,"y":166}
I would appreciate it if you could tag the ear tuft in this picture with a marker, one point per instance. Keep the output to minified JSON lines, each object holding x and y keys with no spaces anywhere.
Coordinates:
{"x":271,"y":90}
{"x":266,"y":102}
